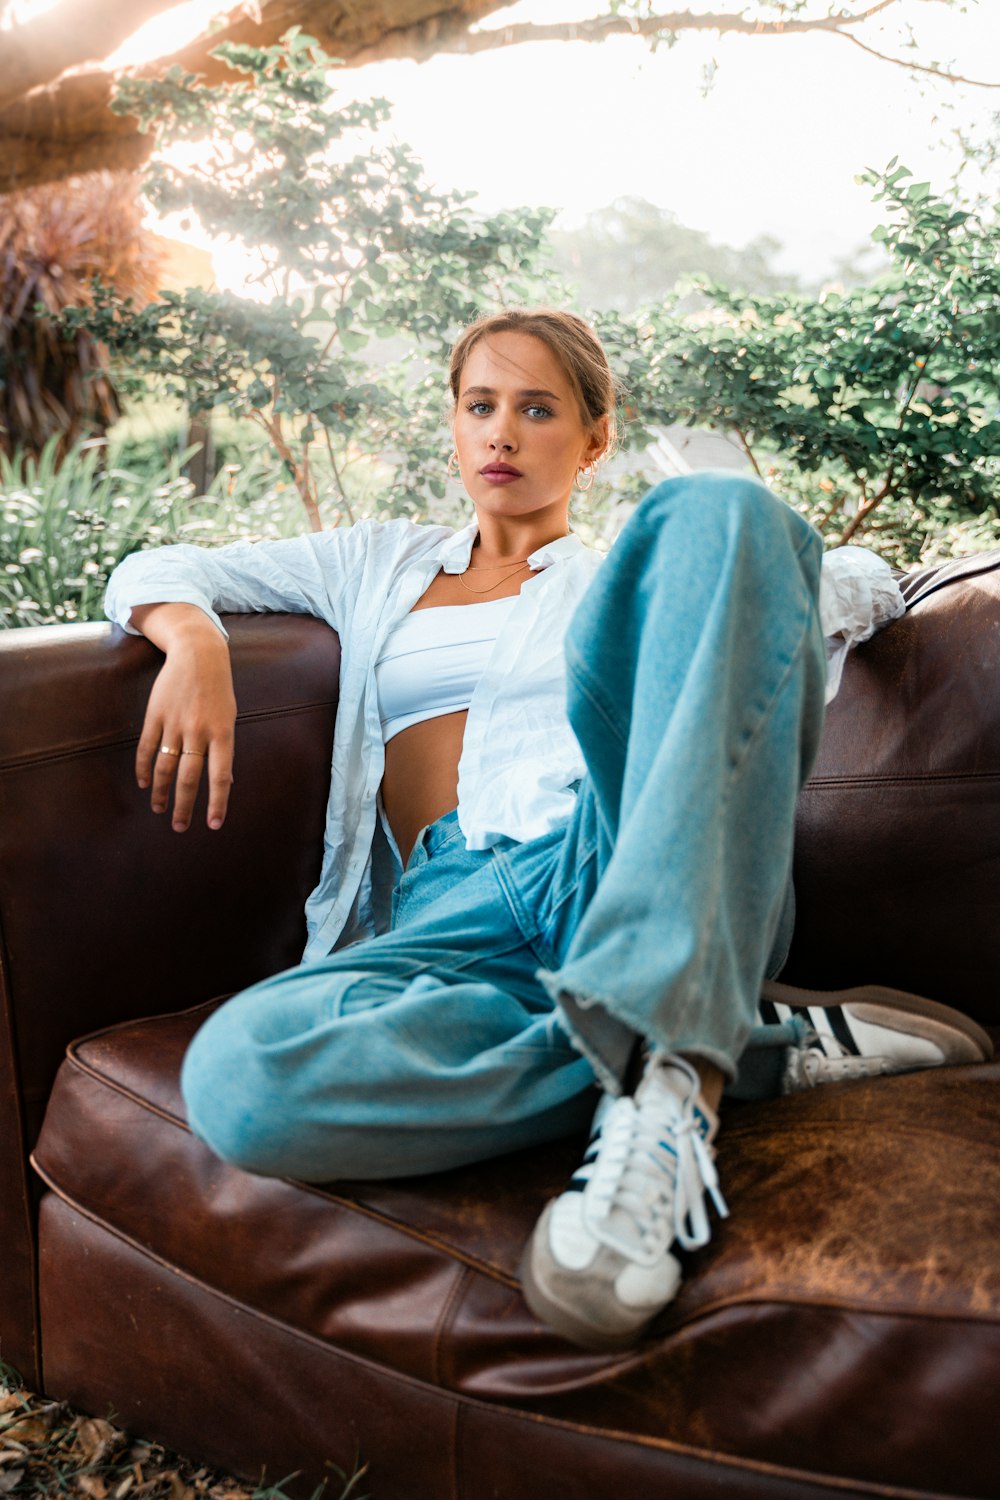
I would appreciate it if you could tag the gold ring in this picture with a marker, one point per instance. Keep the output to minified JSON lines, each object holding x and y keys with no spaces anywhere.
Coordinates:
{"x":200,"y":753}
{"x":166,"y":750}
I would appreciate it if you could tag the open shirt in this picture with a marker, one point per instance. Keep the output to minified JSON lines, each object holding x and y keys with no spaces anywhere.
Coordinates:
{"x":520,"y":758}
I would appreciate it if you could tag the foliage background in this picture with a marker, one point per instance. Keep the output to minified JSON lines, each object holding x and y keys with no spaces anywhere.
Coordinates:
{"x":873,"y":408}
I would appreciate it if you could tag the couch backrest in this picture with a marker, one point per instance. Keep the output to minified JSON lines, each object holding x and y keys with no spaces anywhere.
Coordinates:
{"x":898,"y":839}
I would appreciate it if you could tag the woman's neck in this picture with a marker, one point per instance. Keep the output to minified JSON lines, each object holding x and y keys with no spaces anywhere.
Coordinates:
{"x":502,"y":538}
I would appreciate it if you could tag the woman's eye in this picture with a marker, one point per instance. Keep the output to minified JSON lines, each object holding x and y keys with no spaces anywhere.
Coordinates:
{"x":536,"y":410}
{"x":478,"y":407}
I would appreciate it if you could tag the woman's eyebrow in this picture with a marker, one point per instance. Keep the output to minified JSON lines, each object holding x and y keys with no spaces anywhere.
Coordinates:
{"x":487,"y":390}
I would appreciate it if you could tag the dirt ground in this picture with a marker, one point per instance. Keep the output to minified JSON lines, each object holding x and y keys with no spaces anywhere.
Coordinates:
{"x":48,"y":1449}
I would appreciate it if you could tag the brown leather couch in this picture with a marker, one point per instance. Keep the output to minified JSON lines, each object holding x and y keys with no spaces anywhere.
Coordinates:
{"x":838,"y":1337}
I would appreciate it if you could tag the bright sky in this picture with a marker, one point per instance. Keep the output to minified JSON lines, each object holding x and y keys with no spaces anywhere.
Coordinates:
{"x":772,"y":148}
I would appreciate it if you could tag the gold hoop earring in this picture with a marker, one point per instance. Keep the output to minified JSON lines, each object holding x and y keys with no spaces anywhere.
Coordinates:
{"x":453,"y":465}
{"x":591,"y":472}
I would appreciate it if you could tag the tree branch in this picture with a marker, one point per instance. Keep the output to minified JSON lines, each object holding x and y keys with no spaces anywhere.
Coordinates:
{"x":446,"y":34}
{"x":949,"y":77}
{"x":77,"y":31}
{"x":341,"y":490}
{"x":829,"y":514}
{"x":748,"y":451}
{"x":54,"y":132}
{"x":863,"y":512}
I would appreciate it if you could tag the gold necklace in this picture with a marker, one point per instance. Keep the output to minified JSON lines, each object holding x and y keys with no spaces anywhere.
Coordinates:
{"x":508,"y":574}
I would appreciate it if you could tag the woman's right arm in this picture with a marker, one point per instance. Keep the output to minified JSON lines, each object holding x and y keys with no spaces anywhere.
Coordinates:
{"x":191,"y":715}
{"x":190,"y":719}
{"x":174,"y":595}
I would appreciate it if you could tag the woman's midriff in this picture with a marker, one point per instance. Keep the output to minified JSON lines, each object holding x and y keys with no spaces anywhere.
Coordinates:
{"x":420,"y":782}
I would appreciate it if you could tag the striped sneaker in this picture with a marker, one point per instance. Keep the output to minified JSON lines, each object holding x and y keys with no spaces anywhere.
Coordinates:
{"x":601,"y":1263}
{"x":868,"y":1032}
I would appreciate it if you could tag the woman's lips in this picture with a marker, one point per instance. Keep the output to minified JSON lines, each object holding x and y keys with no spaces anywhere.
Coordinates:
{"x":500,"y":474}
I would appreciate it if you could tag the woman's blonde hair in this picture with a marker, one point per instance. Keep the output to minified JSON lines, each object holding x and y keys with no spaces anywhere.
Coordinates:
{"x":574,"y":344}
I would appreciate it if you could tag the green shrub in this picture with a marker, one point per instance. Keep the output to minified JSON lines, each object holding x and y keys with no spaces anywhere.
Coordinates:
{"x":63,"y":529}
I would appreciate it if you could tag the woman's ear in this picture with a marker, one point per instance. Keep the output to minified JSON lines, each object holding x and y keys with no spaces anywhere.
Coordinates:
{"x":599,"y":440}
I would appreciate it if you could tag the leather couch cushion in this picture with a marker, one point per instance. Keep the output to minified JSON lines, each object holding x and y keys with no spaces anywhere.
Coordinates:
{"x":855,"y":1287}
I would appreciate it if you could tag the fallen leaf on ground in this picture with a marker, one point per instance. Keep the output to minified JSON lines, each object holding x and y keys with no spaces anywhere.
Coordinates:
{"x":96,"y":1440}
{"x":29,"y":1429}
{"x":92,"y":1485}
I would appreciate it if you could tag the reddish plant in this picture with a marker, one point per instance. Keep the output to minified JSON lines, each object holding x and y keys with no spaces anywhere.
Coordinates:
{"x":54,"y":241}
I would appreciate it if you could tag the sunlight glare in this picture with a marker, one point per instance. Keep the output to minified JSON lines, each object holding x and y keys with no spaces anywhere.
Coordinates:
{"x":167,"y":33}
{"x":19,"y":11}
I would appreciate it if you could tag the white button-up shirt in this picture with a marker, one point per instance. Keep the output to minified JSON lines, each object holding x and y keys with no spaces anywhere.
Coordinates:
{"x":520,"y":757}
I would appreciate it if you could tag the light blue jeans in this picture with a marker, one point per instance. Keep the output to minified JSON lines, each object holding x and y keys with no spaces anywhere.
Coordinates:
{"x":514,"y":978}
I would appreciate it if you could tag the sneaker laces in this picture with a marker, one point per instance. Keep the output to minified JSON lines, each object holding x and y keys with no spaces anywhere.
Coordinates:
{"x":647,"y":1173}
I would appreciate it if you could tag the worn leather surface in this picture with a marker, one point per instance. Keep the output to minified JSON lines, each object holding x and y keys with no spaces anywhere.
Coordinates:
{"x":104,"y":912}
{"x":897,"y":863}
{"x":158,"y":1345}
{"x":838,"y":1336}
{"x":856,"y":1283}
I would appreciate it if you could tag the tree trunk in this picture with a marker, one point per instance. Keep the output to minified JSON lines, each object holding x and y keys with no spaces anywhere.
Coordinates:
{"x":60,"y":131}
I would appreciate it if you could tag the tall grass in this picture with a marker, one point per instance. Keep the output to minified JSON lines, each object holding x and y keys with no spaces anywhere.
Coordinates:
{"x":65,"y":525}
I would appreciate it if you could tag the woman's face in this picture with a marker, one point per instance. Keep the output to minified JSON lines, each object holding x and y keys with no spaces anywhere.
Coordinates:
{"x":517,"y":427}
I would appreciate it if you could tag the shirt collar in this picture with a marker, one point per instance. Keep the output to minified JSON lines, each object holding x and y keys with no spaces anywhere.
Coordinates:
{"x":455,"y":553}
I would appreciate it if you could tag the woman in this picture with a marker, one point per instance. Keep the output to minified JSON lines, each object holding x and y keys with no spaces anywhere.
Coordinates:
{"x":549,"y":853}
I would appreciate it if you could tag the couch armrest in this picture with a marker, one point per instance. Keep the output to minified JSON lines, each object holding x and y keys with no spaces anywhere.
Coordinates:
{"x":105,"y":913}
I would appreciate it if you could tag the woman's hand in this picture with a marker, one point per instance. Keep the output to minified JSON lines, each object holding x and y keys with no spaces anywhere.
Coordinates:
{"x":191,"y":717}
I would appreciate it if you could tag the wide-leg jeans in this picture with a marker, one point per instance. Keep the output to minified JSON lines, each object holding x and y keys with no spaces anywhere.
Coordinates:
{"x":515,"y":978}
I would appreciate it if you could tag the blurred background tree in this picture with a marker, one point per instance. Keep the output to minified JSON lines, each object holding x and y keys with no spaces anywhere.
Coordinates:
{"x":355,"y":249}
{"x":632,"y":252}
{"x":872,"y":408}
{"x":875,"y":409}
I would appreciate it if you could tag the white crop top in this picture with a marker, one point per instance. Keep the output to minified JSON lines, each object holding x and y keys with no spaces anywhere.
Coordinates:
{"x":433,"y":660}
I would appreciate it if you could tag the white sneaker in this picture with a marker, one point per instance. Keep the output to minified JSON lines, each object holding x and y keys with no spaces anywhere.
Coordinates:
{"x":869,"y":1032}
{"x":600,"y":1264}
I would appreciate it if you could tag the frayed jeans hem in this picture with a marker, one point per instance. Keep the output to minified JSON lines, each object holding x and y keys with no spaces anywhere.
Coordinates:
{"x":609,"y":1042}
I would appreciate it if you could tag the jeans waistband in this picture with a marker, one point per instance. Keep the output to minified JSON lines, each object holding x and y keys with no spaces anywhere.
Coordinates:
{"x":441,"y":834}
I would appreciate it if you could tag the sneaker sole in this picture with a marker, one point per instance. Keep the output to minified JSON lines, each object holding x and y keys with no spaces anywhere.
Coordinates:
{"x":956,"y":1035}
{"x":560,"y":1320}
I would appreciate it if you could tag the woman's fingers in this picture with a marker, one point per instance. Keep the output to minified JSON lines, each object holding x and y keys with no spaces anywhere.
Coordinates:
{"x":177,"y":767}
{"x":147,"y":749}
{"x":186,"y":780}
{"x":220,"y":779}
{"x":218,"y":760}
{"x":188,"y":731}
{"x":164,"y":770}
{"x":191,"y":716}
